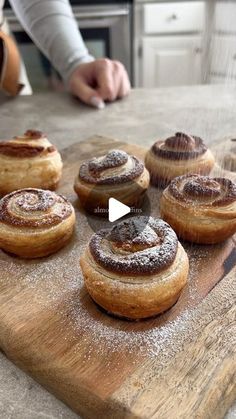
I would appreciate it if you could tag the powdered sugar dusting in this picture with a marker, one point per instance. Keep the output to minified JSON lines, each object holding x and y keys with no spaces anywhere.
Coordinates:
{"x":114,"y":158}
{"x":151,"y":259}
{"x":34,"y":208}
{"x":194,"y":189}
{"x":180,"y":146}
{"x":114,"y":168}
{"x":56,"y":285}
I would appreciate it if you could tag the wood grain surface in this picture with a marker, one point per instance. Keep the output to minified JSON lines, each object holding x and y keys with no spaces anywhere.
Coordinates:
{"x":178,"y":365}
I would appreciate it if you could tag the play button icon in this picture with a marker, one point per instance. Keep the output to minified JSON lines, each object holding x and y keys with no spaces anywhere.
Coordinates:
{"x":116,"y":209}
{"x":110,"y":210}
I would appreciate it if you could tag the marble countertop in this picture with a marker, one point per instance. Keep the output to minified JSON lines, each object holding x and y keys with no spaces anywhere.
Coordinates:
{"x":146,"y":115}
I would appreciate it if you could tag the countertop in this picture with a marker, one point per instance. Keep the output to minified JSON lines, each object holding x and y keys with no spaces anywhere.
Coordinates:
{"x":146,"y":115}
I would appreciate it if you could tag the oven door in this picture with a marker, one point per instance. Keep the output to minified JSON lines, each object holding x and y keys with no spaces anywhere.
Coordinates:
{"x":106,"y":30}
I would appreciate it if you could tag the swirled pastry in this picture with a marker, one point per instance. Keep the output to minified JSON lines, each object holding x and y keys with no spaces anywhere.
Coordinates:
{"x":118,"y":175}
{"x":27,"y":161}
{"x":136,"y":269}
{"x":199,"y":208}
{"x":178,"y":155}
{"x":35,"y":222}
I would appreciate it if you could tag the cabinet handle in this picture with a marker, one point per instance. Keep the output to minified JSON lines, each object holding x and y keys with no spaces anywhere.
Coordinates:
{"x":198,"y":50}
{"x":173,"y":17}
{"x":140,"y":51}
{"x":234,"y":57}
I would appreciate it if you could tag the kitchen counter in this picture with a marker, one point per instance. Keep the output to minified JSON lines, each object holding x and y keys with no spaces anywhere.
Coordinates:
{"x":206,"y":111}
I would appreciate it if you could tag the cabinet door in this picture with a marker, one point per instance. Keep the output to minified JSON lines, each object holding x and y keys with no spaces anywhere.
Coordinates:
{"x":172,"y":60}
{"x":225,"y":16}
{"x":223,"y":56}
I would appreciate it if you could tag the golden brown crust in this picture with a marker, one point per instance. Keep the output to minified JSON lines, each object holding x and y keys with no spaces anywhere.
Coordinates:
{"x":29,"y":161}
{"x":176,"y":156}
{"x":139,"y":271}
{"x":116,"y":175}
{"x":35,"y":223}
{"x":200,"y":209}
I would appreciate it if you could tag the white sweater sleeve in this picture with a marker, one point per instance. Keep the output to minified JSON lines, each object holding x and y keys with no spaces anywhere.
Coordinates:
{"x":53,"y":28}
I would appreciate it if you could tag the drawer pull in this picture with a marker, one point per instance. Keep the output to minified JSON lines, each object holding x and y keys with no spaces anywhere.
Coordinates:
{"x":172,"y":17}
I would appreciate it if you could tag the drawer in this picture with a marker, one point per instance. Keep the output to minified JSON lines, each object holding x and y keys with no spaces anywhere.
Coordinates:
{"x":223,"y":56}
{"x":174,"y":17}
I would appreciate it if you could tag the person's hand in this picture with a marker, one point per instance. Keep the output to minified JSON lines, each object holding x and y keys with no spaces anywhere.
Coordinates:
{"x":98,"y":81}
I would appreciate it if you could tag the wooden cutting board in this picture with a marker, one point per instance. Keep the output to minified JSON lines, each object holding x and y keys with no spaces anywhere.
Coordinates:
{"x":178,"y":365}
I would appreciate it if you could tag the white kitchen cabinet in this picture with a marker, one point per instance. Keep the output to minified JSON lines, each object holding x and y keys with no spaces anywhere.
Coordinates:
{"x":225,"y":16}
{"x":223,"y":50}
{"x":171,"y":60}
{"x":223,"y":44}
{"x":168,"y":43}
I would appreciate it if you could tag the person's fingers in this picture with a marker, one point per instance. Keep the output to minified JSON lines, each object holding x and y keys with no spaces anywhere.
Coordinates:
{"x":117,"y":76}
{"x":106,"y":87}
{"x":86,"y":93}
{"x":121,"y":79}
{"x":124,"y":87}
{"x":99,"y":80}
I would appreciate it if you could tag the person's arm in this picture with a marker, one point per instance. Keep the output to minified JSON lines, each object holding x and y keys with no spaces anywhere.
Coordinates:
{"x":52,"y":26}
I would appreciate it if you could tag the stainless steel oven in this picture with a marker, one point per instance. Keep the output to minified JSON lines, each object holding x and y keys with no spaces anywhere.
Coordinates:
{"x":106,"y":30}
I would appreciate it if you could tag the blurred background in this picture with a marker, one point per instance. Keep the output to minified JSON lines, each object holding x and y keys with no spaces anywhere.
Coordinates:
{"x":161,"y":43}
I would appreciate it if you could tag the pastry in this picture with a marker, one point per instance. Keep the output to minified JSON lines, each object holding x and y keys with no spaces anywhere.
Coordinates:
{"x":199,"y":208}
{"x":29,"y":161}
{"x":35,"y":222}
{"x":229,"y":160}
{"x":136,"y":269}
{"x":176,"y":156}
{"x":118,"y":175}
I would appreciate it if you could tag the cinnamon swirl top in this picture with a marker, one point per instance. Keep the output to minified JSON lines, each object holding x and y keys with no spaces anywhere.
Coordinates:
{"x":140,"y":245}
{"x":181,"y":146}
{"x":115,"y":167}
{"x":202,"y":190}
{"x":31,"y":144}
{"x":34,"y":208}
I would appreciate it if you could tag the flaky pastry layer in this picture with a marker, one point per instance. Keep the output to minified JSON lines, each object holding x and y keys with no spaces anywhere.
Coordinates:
{"x":162,"y":170}
{"x":200,"y":222}
{"x":135,"y":296}
{"x":29,"y":162}
{"x":93,"y":197}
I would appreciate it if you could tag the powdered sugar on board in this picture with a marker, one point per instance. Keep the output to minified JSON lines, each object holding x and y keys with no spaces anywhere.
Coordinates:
{"x":57,"y":284}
